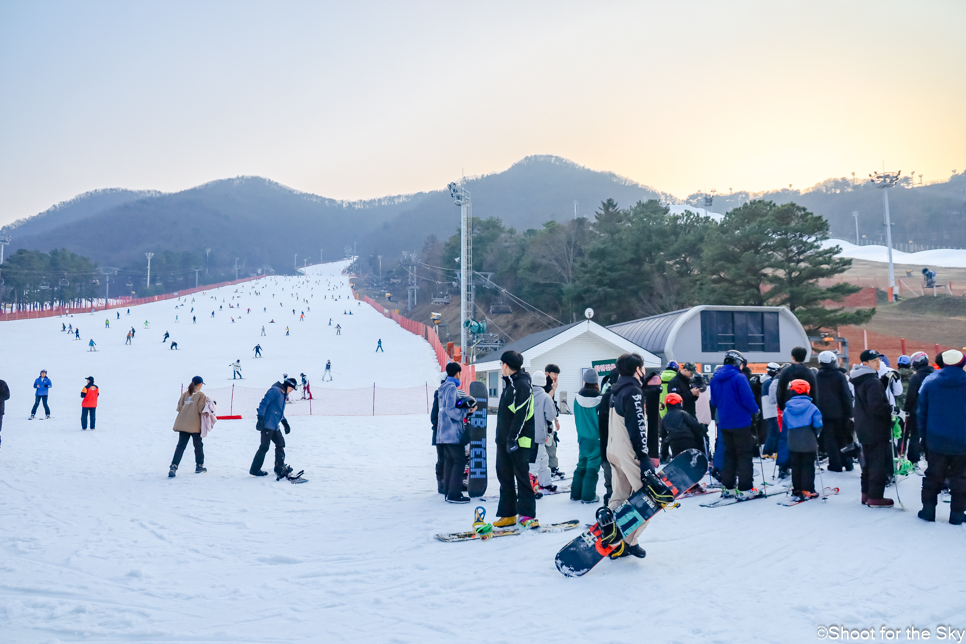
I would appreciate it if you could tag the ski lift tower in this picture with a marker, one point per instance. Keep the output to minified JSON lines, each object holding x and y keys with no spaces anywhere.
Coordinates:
{"x":885,"y":180}
{"x":461,"y":196}
{"x":4,"y":240}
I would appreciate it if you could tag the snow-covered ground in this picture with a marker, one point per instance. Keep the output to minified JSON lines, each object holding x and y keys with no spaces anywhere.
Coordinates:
{"x":941,"y":257}
{"x":98,"y":545}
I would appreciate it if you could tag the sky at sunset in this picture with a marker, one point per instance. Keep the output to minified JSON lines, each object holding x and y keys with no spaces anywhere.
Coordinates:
{"x":356,"y":100}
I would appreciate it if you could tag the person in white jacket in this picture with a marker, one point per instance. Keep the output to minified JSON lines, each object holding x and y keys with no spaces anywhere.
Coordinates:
{"x":544,"y":413}
{"x":769,"y":408}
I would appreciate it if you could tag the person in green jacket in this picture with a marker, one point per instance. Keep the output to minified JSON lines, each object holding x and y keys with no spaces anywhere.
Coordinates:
{"x":666,"y":377}
{"x":586,"y":403}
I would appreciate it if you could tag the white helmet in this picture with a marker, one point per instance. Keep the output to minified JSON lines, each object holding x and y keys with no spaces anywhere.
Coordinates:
{"x":827,"y":357}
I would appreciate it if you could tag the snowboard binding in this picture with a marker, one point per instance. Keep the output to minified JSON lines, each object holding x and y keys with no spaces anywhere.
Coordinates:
{"x":610,"y":540}
{"x":659,"y":489}
{"x":480,"y":526}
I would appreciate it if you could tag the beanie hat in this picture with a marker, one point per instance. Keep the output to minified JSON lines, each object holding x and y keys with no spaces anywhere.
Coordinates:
{"x":826,"y":357}
{"x":590,"y":377}
{"x":539,"y":379}
{"x":953,"y":358}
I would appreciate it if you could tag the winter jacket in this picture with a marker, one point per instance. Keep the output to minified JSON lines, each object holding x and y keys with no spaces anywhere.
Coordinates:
{"x":514,"y":418}
{"x":89,"y":396}
{"x":892,"y":383}
{"x":942,"y":412}
{"x":627,"y":402}
{"x":678,"y":424}
{"x":272,"y":408}
{"x":731,"y":396}
{"x":434,"y":415}
{"x":795,"y":371}
{"x":209,"y":416}
{"x":834,"y":396}
{"x":666,"y":377}
{"x":681,"y":386}
{"x":769,"y":404}
{"x":803,"y":422}
{"x":190,"y":408}
{"x":543,"y":414}
{"x":872,"y":411}
{"x":586,"y":404}
{"x":450,"y":425}
{"x":603,"y":418}
{"x":4,"y":395}
{"x":915,"y":385}
{"x":42,"y":386}
{"x":703,"y":408}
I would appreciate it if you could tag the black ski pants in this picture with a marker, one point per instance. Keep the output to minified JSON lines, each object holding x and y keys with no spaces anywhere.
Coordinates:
{"x":454,"y":465}
{"x":837,"y":435}
{"x":88,"y":411}
{"x":440,"y":462}
{"x":516,"y":493}
{"x":183,"y":438}
{"x":270,"y":436}
{"x":943,"y":467}
{"x":912,"y":448}
{"x":37,"y":401}
{"x":678,"y":445}
{"x":803,"y":471}
{"x":739,"y":448}
{"x":877,"y":468}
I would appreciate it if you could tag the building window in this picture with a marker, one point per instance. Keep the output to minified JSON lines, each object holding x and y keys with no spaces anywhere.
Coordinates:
{"x":741,"y":330}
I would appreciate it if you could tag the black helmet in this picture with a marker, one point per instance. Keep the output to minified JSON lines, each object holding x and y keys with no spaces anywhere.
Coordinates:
{"x":735,"y":358}
{"x":290,"y":382}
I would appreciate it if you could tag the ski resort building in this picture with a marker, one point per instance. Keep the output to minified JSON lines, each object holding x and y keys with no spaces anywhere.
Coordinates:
{"x":573,"y":347}
{"x":702,"y":334}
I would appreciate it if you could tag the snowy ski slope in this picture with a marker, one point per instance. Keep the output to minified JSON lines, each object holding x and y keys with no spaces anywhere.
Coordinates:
{"x":97,"y":545}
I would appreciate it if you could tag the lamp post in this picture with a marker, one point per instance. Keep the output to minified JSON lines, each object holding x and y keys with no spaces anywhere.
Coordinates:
{"x":295,"y":262}
{"x":196,"y":269}
{"x":380,"y":266}
{"x":855,"y":214}
{"x":885,"y":180}
{"x":149,"y":256}
{"x":236,"y":269}
{"x":207,"y":252}
{"x":4,"y":240}
{"x":107,"y":271}
{"x":461,"y":197}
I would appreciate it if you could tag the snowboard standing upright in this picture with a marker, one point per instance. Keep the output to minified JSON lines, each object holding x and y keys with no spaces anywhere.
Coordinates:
{"x":586,"y":551}
{"x":476,"y":485}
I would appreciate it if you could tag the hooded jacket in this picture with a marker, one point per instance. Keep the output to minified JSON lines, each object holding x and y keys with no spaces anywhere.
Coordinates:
{"x":272,"y":407}
{"x":681,"y":386}
{"x":514,"y":418}
{"x":450,"y":424}
{"x":834,"y":398}
{"x":795,"y":371}
{"x":942,"y":412}
{"x":42,"y":386}
{"x":544,"y":412}
{"x":769,"y":405}
{"x":732,"y":397}
{"x":803,"y":420}
{"x":872,"y":411}
{"x":586,"y":403}
{"x":678,"y":424}
{"x":666,"y":377}
{"x":627,"y":401}
{"x":915,"y":384}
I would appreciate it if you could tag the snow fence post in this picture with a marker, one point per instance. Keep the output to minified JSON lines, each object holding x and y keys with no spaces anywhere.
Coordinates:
{"x":427,"y":397}
{"x":231,"y":404}
{"x":373,"y":399}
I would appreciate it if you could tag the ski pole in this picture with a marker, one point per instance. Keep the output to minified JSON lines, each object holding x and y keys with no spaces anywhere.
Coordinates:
{"x":760,"y":461}
{"x":895,"y":476}
{"x":821,"y":479}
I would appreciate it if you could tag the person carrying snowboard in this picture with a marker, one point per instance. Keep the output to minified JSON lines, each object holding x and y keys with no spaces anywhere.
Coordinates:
{"x":453,"y":408}
{"x":803,"y":422}
{"x":514,"y":438}
{"x":731,"y":395}
{"x":236,"y":367}
{"x":679,"y":429}
{"x":191,"y":406}
{"x":42,"y":387}
{"x":271,"y":414}
{"x":89,"y":396}
{"x":586,"y":404}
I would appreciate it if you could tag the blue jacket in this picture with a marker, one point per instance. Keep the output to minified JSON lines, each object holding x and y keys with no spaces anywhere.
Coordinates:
{"x":450,"y":426}
{"x":731,"y":395}
{"x":942,"y":411}
{"x":43,"y":386}
{"x":803,"y":421}
{"x":272,"y":407}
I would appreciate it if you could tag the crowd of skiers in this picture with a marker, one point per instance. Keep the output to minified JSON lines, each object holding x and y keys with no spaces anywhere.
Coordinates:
{"x":803,"y":418}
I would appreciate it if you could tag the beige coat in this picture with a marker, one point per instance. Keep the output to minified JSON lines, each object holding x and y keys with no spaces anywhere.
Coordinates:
{"x":190,"y":409}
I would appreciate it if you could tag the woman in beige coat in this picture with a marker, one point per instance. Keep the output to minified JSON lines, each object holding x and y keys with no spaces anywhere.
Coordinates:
{"x":188,"y":425}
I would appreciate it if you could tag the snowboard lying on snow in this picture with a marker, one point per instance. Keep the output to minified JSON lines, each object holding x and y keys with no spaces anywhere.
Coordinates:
{"x":583,"y":553}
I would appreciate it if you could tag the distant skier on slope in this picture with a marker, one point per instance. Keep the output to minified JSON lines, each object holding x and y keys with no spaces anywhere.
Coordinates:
{"x":379,"y":346}
{"x":328,"y":370}
{"x":258,"y":350}
{"x":236,"y":366}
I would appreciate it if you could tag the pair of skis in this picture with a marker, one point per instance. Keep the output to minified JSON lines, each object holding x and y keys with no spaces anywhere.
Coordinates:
{"x":796,"y":500}
{"x":483,"y":531}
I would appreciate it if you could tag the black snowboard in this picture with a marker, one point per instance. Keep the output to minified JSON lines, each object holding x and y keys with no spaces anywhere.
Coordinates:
{"x":476,"y":485}
{"x":583,"y":553}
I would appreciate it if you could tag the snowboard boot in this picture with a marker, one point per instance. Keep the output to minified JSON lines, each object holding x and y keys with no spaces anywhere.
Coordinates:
{"x":47,"y":417}
{"x":283,"y":472}
{"x":461,"y":499}
{"x":505,"y":522}
{"x":200,"y":469}
{"x":258,"y":472}
{"x":529,"y":523}
{"x":31,"y":417}
{"x":880,"y":503}
{"x":172,"y":471}
{"x":928,"y":513}
{"x":957,"y":518}
{"x":635,"y":551}
{"x":548,"y":488}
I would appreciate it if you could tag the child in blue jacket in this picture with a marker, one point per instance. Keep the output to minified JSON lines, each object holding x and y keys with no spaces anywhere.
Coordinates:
{"x":803,"y":422}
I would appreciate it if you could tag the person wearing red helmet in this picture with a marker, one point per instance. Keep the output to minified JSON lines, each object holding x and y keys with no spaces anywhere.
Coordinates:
{"x":679,"y":429}
{"x":803,"y":421}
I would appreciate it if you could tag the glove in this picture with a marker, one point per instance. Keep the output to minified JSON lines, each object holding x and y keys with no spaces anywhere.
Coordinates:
{"x":512,"y":446}
{"x":285,"y":425}
{"x":260,"y":424}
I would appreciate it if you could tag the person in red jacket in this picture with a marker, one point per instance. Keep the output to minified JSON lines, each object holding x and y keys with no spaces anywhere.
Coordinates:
{"x":89,"y":403}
